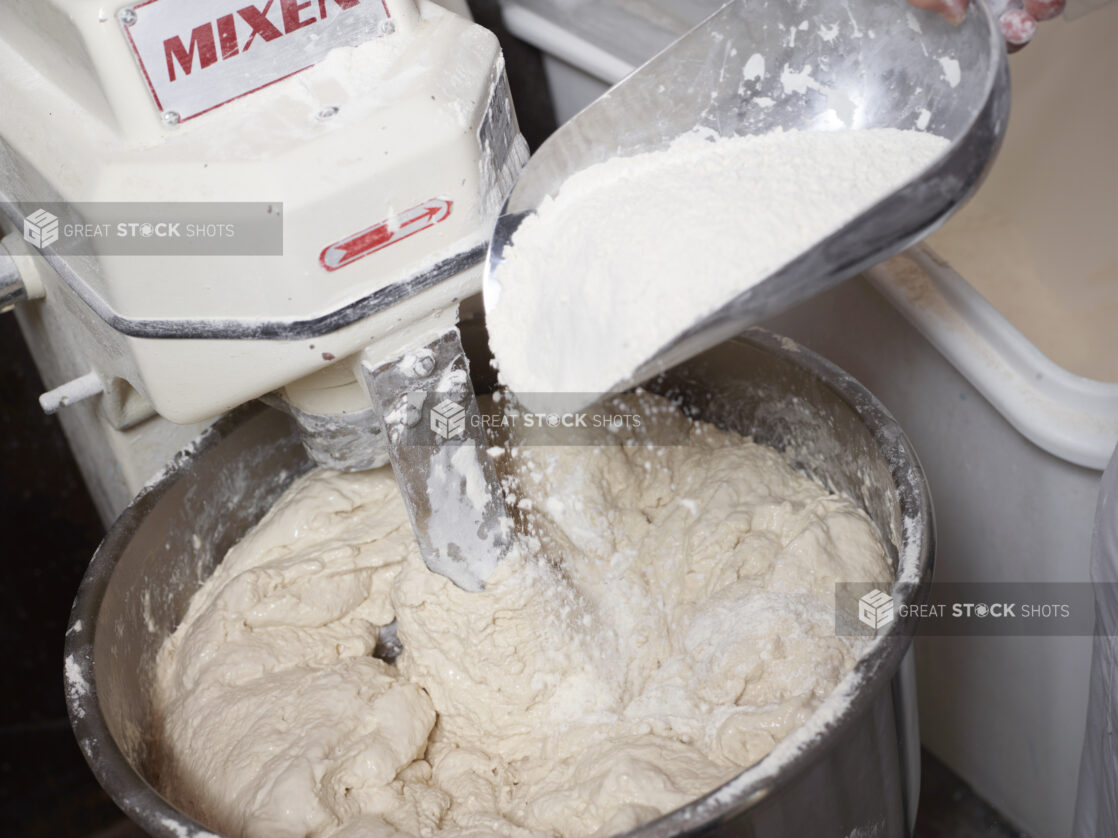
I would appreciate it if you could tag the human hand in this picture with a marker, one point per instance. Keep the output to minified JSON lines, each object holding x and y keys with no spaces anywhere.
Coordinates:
{"x":1018,"y":18}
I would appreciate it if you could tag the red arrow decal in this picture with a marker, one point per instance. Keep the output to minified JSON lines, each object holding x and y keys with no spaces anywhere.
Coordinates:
{"x":386,"y":233}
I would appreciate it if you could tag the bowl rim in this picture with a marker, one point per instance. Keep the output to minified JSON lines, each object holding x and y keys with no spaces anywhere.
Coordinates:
{"x":790,"y":758}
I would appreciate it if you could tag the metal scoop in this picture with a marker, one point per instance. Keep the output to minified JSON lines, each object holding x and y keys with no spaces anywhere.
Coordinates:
{"x":873,"y":64}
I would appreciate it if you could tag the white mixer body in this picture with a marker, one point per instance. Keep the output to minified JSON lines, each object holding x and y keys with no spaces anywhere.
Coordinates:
{"x":379,"y":132}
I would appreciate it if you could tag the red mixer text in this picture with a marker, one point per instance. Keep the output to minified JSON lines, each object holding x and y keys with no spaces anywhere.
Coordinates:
{"x":237,"y":32}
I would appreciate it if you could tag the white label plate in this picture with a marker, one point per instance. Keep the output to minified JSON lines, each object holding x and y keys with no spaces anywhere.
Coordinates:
{"x":197,"y":55}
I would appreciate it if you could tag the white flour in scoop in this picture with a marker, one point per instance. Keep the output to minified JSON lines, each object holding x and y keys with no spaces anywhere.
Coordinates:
{"x":634,"y":250}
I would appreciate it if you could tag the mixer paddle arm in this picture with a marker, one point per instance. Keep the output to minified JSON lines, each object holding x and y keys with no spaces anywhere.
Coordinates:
{"x":439,"y":452}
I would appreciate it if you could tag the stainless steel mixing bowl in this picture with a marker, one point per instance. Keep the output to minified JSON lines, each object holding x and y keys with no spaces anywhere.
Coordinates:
{"x":852,"y":770}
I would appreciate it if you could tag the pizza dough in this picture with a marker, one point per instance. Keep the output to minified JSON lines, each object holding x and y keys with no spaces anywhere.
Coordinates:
{"x":669,"y":620}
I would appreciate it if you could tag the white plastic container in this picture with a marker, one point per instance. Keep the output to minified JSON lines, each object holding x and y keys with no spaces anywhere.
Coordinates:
{"x":1013,"y":443}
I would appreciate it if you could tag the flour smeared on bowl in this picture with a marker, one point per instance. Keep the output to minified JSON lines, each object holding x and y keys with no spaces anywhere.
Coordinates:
{"x":669,"y":620}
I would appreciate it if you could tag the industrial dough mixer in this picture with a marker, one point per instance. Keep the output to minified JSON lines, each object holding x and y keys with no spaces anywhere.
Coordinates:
{"x":209,"y":202}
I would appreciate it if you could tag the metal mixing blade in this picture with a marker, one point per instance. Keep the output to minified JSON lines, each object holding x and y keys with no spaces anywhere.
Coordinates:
{"x":439,"y":453}
{"x":868,"y":64}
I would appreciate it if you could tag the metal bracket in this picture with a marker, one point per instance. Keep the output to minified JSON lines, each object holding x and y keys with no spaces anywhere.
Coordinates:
{"x":439,"y":452}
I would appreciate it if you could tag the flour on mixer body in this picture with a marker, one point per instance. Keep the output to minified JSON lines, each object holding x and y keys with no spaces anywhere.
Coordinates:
{"x":667,"y":622}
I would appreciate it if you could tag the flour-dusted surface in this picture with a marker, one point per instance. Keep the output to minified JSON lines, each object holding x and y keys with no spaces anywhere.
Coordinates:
{"x":669,"y":620}
{"x":633,"y":251}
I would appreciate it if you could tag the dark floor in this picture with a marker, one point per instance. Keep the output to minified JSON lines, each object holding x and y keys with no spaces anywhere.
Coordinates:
{"x":950,"y":809}
{"x":50,"y":530}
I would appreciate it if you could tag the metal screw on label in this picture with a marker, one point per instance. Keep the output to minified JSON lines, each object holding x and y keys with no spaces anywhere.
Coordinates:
{"x":328,"y":112}
{"x":128,"y":16}
{"x":171,"y":118}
